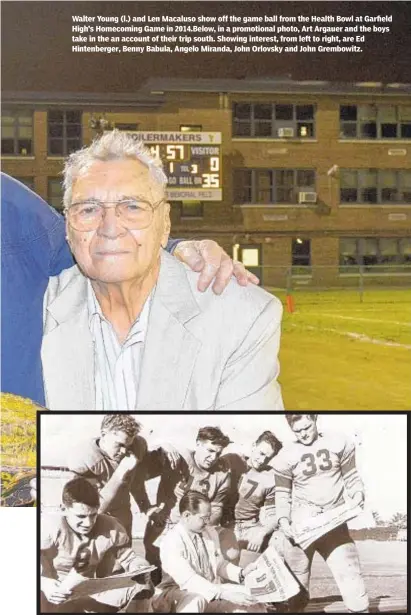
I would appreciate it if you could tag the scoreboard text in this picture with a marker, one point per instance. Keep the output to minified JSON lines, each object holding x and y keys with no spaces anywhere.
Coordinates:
{"x":191,"y":160}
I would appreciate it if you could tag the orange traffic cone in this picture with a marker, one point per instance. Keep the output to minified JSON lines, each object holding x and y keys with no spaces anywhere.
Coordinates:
{"x":290,"y":304}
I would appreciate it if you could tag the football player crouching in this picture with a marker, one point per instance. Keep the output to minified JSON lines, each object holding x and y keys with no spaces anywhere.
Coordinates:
{"x":79,"y":539}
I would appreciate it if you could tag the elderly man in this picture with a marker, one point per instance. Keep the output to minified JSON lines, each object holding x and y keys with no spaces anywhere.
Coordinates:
{"x":127,"y":329}
{"x":34,"y":247}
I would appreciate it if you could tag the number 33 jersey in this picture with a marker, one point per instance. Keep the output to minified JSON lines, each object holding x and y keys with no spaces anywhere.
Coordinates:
{"x":315,"y":475}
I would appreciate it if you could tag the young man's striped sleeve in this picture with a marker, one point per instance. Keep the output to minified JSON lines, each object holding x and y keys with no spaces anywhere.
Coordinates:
{"x":352,"y":480}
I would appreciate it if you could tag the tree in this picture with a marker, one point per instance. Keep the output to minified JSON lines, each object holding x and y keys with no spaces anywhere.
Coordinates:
{"x":379,"y":521}
{"x":399,"y":520}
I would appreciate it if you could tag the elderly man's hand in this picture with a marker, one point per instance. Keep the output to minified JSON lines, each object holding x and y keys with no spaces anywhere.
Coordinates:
{"x":208,"y":258}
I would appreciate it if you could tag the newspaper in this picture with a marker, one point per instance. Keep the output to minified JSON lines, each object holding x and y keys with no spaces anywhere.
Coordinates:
{"x":81,"y":586}
{"x":271,"y":581}
{"x":308,"y":531}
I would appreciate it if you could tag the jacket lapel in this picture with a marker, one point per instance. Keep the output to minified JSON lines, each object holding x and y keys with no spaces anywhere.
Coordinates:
{"x":66,"y":327}
{"x":170,"y":349}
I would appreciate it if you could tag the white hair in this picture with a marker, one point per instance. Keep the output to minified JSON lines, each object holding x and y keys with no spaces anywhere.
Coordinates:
{"x":112,"y":145}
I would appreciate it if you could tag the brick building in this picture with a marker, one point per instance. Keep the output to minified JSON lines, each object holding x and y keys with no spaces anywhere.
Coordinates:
{"x":316,"y":176}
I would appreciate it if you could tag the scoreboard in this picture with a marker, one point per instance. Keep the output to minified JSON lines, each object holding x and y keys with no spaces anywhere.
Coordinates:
{"x":191,"y":161}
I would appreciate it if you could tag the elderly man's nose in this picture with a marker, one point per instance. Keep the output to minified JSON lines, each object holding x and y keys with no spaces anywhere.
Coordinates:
{"x":110,"y":224}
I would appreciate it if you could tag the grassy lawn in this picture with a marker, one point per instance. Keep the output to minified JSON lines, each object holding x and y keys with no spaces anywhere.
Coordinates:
{"x":340,"y":354}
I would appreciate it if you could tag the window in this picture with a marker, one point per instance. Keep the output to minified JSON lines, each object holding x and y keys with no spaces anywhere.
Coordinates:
{"x":375,"y":186}
{"x":251,"y":257}
{"x":301,"y":256}
{"x":64,"y":132}
{"x":126,"y":127}
{"x":265,"y":120}
{"x":191,"y":209}
{"x":16,"y":132}
{"x":375,"y":122}
{"x":191,"y":128}
{"x":55,"y":193}
{"x":374,"y":253}
{"x":271,"y":186}
{"x":27,"y":181}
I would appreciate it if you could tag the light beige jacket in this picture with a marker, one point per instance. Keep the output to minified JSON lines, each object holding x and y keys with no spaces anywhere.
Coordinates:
{"x":201,"y":351}
{"x":180,"y":565}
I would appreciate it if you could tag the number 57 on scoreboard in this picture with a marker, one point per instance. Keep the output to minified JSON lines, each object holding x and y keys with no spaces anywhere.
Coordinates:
{"x":192,"y":163}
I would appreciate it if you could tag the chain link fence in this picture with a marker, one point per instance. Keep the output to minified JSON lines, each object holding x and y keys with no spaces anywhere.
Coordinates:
{"x":315,"y":284}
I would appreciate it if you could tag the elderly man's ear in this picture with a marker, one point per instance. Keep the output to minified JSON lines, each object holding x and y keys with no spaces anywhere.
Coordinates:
{"x":166,"y":224}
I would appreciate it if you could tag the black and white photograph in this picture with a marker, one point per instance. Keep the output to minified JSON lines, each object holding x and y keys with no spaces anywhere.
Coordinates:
{"x":222,"y":513}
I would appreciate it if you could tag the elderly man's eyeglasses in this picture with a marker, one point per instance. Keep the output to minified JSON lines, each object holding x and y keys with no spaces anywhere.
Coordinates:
{"x":134,"y":214}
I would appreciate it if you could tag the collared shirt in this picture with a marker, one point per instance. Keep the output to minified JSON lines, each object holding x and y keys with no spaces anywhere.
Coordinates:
{"x":117,"y":366}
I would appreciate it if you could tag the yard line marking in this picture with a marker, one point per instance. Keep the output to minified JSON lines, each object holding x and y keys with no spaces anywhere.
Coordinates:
{"x":388,"y":322}
{"x":358,"y":336}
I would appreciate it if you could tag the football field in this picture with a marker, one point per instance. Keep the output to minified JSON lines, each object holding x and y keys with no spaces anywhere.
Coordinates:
{"x":338,"y":353}
{"x":384,"y":566}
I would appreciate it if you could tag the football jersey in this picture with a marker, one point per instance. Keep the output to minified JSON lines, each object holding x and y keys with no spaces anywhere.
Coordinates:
{"x":63,"y":549}
{"x":315,"y":475}
{"x":187,"y":476}
{"x":251,"y":490}
{"x":92,"y":463}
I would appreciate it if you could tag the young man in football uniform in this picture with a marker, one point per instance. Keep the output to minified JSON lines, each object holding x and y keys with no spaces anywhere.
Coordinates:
{"x":118,"y":464}
{"x":81,"y":539}
{"x":197,"y":470}
{"x":252,"y":492}
{"x":314,"y":475}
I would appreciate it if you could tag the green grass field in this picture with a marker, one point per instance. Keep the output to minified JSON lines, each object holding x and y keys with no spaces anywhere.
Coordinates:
{"x":340,"y":354}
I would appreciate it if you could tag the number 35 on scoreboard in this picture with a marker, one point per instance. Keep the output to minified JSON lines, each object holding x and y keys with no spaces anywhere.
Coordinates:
{"x":191,"y":161}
